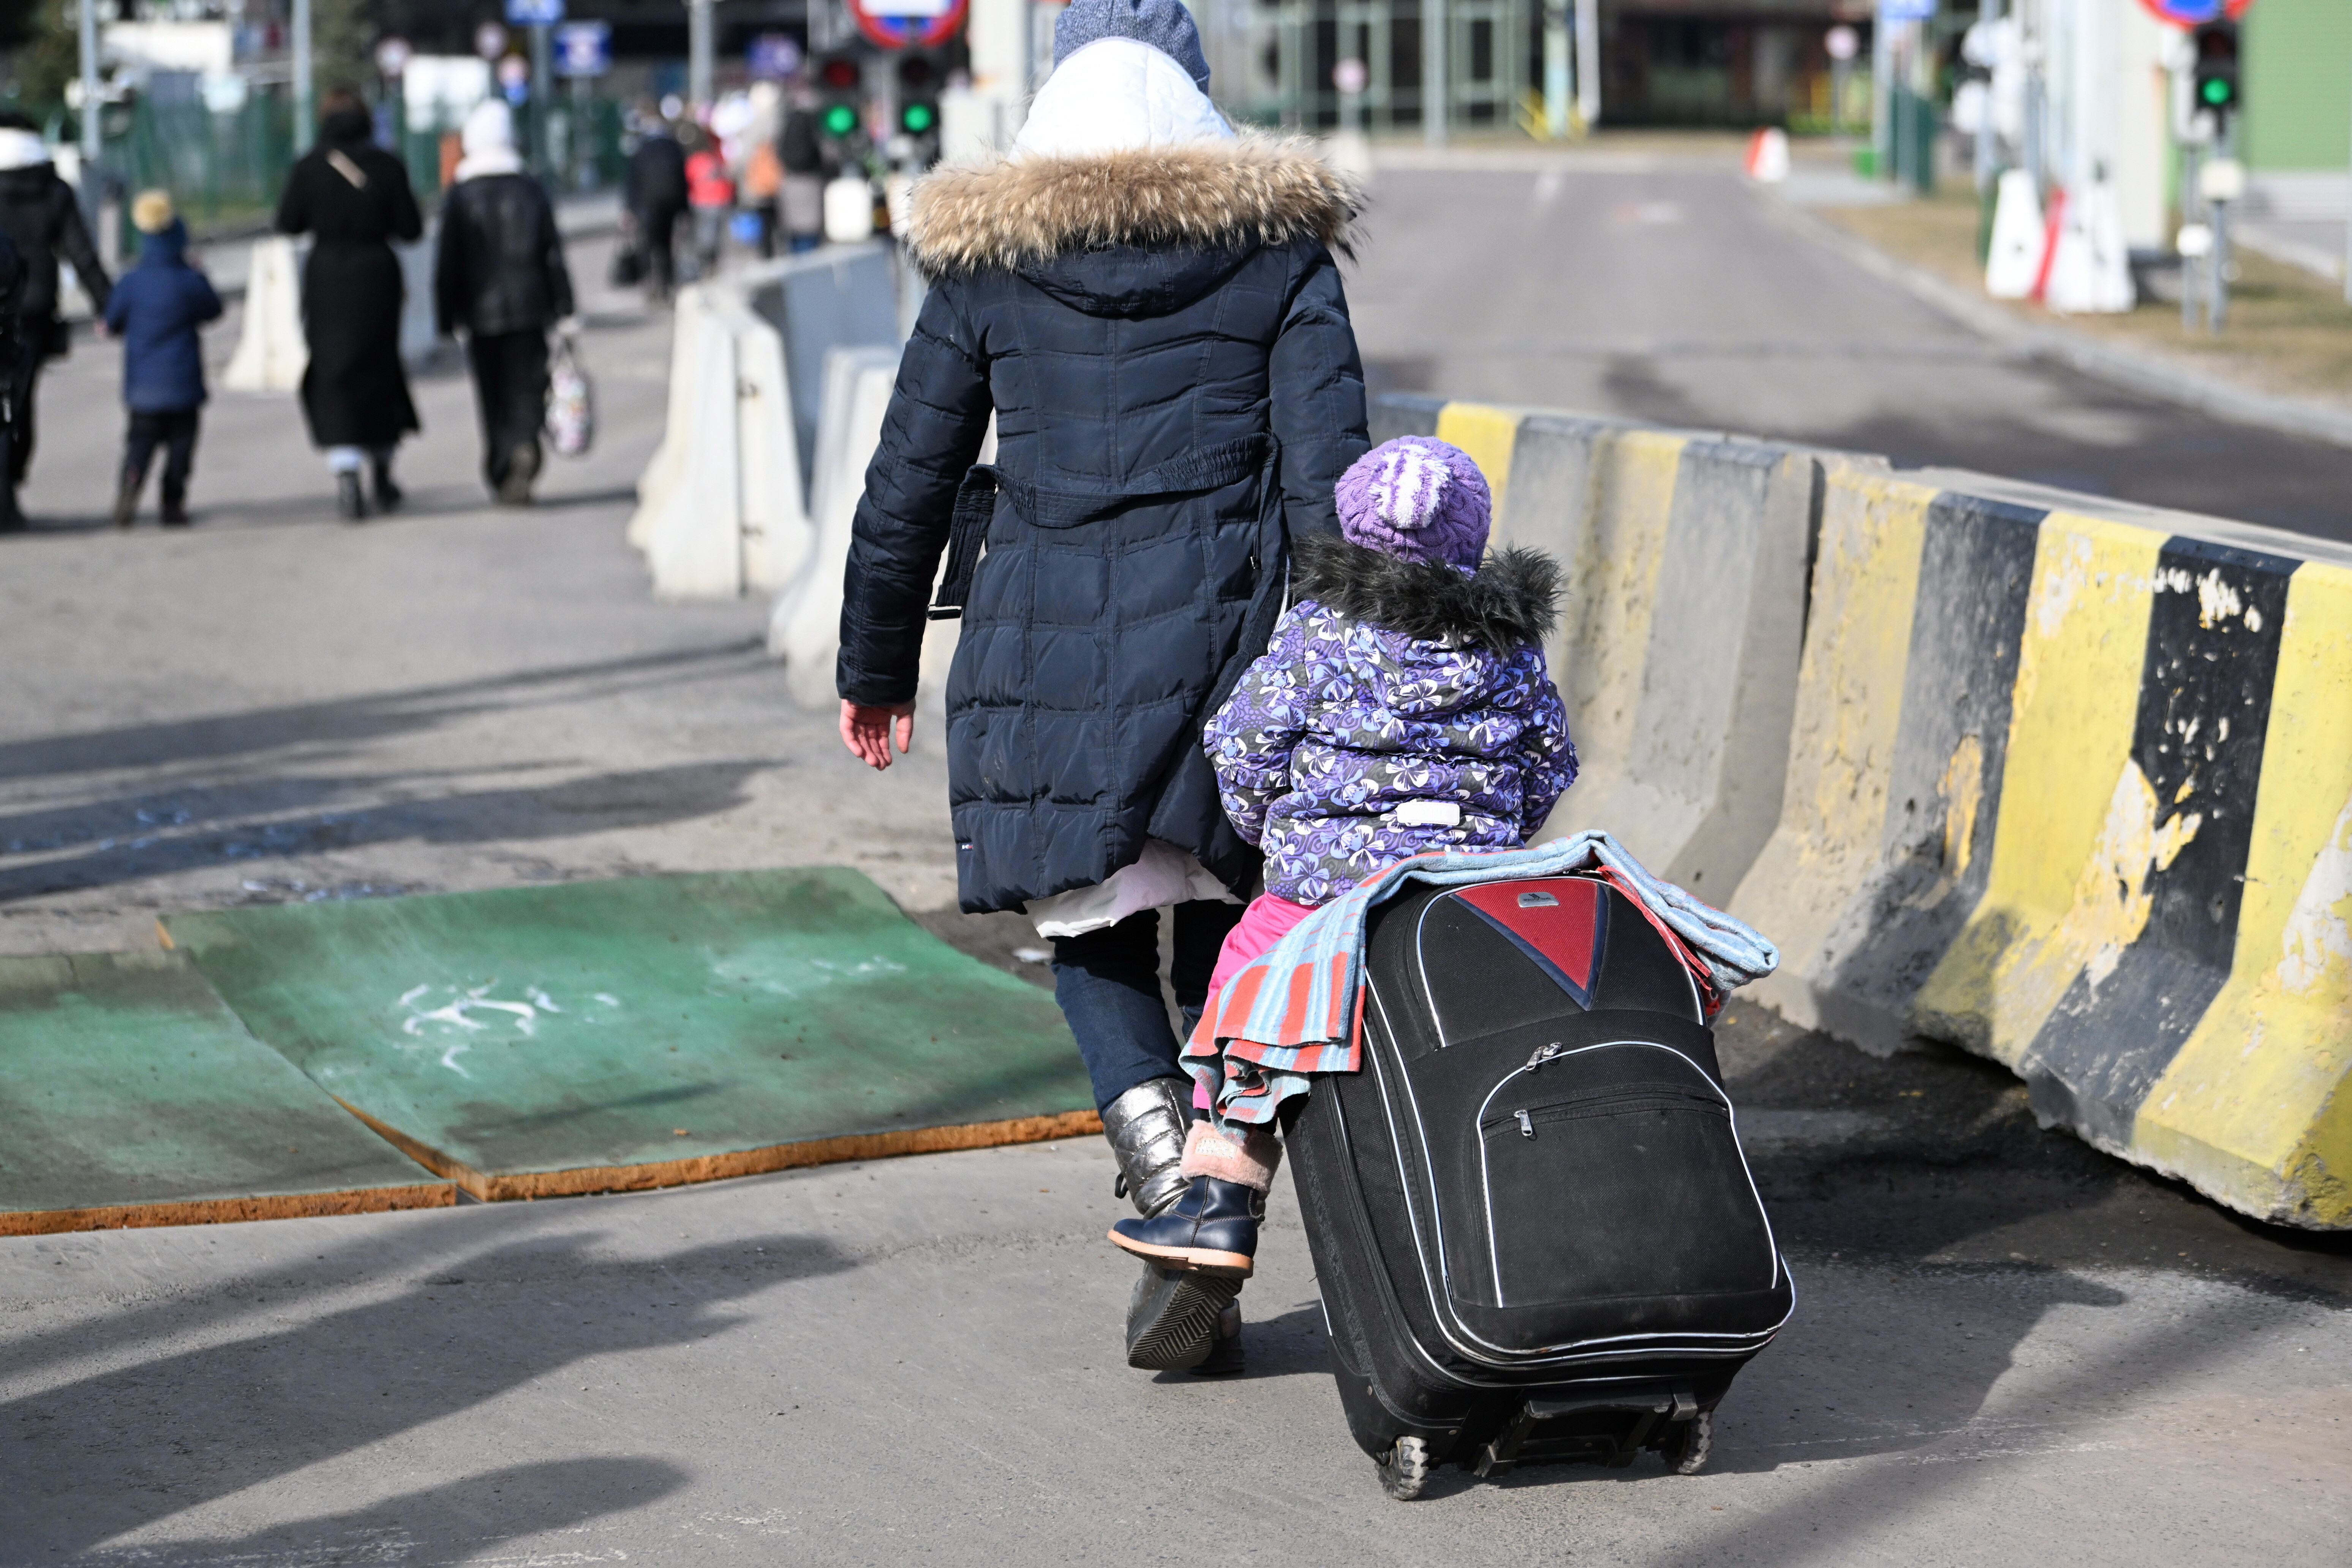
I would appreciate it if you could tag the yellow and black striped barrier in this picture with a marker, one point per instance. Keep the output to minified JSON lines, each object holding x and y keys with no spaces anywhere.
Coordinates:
{"x":2065,"y":781}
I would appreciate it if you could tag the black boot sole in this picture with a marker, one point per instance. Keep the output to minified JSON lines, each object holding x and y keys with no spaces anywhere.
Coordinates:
{"x":1171,"y":1320}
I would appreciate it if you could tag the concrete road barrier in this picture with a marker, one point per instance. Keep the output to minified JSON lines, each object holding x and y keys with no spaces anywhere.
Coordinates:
{"x":2070,"y":785}
{"x":804,"y":630}
{"x":271,"y":353}
{"x":692,"y":535}
{"x":2062,"y":781}
{"x":835,"y":298}
{"x":725,"y":504}
{"x":1677,"y":648}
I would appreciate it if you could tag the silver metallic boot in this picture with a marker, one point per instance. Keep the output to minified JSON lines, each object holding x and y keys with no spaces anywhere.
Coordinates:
{"x":1145,"y":1128}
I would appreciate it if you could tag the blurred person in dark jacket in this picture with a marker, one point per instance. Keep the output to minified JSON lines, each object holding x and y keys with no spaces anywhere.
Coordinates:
{"x":802,"y":197}
{"x":354,"y":196}
{"x":156,"y":309}
{"x":12,"y":303}
{"x":655,"y":198}
{"x":41,"y":217}
{"x":499,"y":278}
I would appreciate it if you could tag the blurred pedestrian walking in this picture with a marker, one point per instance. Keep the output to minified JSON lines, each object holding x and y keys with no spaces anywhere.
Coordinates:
{"x":801,"y":200}
{"x":655,"y":197}
{"x":763,"y":179}
{"x":499,"y":278}
{"x":710,"y":196}
{"x":354,"y":196}
{"x":41,"y":216}
{"x":156,"y":309}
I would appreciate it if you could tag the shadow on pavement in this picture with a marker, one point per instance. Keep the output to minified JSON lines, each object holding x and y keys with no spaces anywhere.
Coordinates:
{"x":641,"y":798}
{"x":121,"y":1449}
{"x":359,"y":719}
{"x":463,"y":1518}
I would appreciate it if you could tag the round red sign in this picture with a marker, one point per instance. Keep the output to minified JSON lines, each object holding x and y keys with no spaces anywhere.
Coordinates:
{"x":908,"y":24}
{"x":2189,"y":13}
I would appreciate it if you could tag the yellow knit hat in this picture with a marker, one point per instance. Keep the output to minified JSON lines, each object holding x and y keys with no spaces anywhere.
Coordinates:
{"x":151,"y":212}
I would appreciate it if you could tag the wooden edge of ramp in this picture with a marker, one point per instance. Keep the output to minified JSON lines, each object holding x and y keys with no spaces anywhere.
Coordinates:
{"x":582,"y":1180}
{"x":229,"y":1211}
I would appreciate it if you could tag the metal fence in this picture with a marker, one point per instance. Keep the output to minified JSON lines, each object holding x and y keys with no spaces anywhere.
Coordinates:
{"x":224,"y":161}
{"x":225,"y":158}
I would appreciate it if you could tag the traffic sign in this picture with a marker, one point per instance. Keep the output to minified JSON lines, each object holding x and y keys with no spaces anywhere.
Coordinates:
{"x":583,"y":48}
{"x":534,"y":13}
{"x":1905,"y":10}
{"x":899,"y":23}
{"x":773,"y":57}
{"x":2189,"y":13}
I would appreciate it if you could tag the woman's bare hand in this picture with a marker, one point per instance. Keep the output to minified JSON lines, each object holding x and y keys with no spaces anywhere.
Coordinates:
{"x":866,"y":731}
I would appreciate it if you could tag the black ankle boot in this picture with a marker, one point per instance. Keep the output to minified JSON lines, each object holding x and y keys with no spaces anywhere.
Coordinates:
{"x":1212,"y":1229}
{"x":349,"y":502}
{"x":387,"y":494}
{"x":126,"y":497}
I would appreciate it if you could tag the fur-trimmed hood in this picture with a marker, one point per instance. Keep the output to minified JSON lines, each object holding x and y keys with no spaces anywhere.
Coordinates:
{"x":1019,"y":213}
{"x":1511,"y":601}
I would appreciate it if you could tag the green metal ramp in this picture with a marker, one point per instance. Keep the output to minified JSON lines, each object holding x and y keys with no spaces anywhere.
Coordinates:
{"x":597,"y":1037}
{"x":131,"y":1096}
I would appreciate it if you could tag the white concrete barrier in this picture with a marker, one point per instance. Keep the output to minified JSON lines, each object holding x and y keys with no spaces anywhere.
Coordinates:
{"x":694,"y":542}
{"x":667,"y":468}
{"x":270,"y":351}
{"x":725,"y":505}
{"x":805,"y":630}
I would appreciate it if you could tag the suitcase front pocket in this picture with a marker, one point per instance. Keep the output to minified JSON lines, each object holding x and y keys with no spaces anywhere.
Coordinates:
{"x":1617,"y":1191}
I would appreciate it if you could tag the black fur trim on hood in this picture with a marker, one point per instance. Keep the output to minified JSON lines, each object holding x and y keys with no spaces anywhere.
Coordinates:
{"x":1513,"y":600}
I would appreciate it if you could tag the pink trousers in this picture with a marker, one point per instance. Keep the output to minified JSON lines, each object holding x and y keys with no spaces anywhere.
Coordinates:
{"x":1266,"y":921}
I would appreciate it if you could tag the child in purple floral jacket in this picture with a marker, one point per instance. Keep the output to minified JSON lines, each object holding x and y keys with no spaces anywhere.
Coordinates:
{"x":1403,"y":706}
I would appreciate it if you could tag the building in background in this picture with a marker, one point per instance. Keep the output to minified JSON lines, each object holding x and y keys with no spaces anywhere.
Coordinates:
{"x":1661,"y":62}
{"x":2296,"y":135}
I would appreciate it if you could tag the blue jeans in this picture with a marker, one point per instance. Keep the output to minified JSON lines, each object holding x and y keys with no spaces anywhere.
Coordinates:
{"x":1107,"y":983}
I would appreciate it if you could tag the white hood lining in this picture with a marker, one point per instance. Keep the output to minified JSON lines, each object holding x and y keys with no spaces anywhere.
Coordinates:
{"x":1114,"y":96}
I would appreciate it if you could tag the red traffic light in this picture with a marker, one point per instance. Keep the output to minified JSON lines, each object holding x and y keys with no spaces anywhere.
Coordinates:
{"x":840,"y":73}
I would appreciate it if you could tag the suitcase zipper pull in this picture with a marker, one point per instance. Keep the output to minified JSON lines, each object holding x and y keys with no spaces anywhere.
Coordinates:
{"x":1526,"y":1124}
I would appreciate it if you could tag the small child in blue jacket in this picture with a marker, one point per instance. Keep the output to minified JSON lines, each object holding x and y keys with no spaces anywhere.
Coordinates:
{"x":155,"y":310}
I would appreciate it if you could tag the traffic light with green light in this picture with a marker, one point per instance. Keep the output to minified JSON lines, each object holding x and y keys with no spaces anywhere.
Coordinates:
{"x":918,"y":91}
{"x":2216,"y":81}
{"x":839,"y":79}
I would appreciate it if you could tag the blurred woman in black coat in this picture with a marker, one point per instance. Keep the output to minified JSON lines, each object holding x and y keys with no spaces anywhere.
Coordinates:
{"x":354,"y":196}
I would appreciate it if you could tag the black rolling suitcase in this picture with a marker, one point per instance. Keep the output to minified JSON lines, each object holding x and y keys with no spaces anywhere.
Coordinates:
{"x":1533,"y":1232}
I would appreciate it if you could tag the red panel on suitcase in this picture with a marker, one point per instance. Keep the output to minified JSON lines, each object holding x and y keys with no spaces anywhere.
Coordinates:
{"x":1558,"y":917}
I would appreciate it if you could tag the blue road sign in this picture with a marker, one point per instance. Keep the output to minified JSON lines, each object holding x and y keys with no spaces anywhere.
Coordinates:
{"x":583,"y":48}
{"x":534,"y":13}
{"x":1888,"y":10}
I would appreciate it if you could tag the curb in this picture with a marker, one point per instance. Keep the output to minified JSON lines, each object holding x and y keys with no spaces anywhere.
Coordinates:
{"x":2130,"y":369}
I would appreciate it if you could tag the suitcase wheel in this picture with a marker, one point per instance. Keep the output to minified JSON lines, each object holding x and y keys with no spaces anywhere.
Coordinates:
{"x":1686,"y":1444}
{"x":1405,"y":1470}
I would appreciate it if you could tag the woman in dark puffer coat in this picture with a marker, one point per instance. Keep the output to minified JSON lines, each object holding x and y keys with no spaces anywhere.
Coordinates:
{"x":1149,"y":306}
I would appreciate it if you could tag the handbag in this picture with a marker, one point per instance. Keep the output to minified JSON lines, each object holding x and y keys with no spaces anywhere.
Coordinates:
{"x":628,"y":268}
{"x":571,"y":402}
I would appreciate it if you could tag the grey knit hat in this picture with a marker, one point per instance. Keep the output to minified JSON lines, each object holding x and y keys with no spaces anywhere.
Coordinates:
{"x":1165,"y":25}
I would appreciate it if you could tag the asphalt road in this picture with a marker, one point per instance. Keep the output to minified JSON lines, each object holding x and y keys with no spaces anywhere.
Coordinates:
{"x":2008,"y":1348}
{"x":2007,"y":1351}
{"x":1667,"y":289}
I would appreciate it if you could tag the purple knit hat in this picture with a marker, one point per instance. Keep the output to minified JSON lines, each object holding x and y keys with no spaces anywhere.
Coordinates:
{"x":1417,"y":498}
